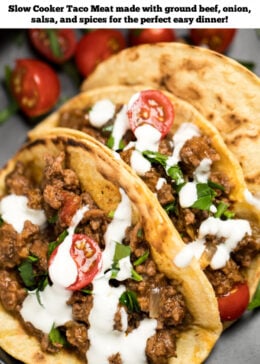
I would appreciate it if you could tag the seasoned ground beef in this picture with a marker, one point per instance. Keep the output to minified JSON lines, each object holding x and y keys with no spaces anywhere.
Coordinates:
{"x":186,"y":220}
{"x":60,"y":196}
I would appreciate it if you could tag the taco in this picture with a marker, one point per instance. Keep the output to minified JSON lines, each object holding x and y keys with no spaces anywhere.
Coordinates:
{"x":225,"y":93}
{"x":185,"y":163}
{"x":87,"y":271}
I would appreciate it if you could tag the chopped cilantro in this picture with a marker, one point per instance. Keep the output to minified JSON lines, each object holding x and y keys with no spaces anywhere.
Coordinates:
{"x":54,"y":42}
{"x":205,"y":196}
{"x":255,"y":303}
{"x":129,"y":299}
{"x":141,"y":259}
{"x":56,"y":337}
{"x":170,"y":207}
{"x":222,"y":211}
{"x":27,"y":274}
{"x":53,"y":245}
{"x":110,"y":142}
{"x":174,"y":171}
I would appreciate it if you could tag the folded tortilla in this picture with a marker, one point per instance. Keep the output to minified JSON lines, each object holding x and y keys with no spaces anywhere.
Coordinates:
{"x":243,"y":204}
{"x":106,"y":179}
{"x":226,"y":93}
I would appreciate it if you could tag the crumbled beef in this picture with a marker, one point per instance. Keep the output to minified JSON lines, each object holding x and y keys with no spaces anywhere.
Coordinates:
{"x":81,"y":306}
{"x":12,"y":293}
{"x":17,"y":182}
{"x":74,"y":119}
{"x":246,"y":251}
{"x":115,"y":359}
{"x":223,"y":180}
{"x":161,"y":346}
{"x":194,"y":151}
{"x":165,"y":194}
{"x":77,"y":336}
{"x":223,"y":280}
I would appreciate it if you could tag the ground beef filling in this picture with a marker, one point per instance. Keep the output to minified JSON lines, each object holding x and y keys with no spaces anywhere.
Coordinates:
{"x":188,"y":220}
{"x":60,"y":196}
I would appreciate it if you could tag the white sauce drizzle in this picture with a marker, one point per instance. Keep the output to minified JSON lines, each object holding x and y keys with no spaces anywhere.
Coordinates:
{"x":161,"y":181}
{"x":104,"y":340}
{"x":251,"y":199}
{"x":139,"y":163}
{"x":63,"y":272}
{"x":188,"y":194}
{"x":120,"y":127}
{"x":185,"y":132}
{"x":101,"y":112}
{"x":233,"y":231}
{"x":15,"y":211}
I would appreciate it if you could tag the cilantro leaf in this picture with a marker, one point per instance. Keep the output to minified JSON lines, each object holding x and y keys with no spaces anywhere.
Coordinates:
{"x":174,"y":171}
{"x":205,"y":196}
{"x":142,"y":258}
{"x":129,"y":299}
{"x":53,"y":245}
{"x":56,"y":336}
{"x":255,"y":303}
{"x":222,"y":211}
{"x":27,"y":274}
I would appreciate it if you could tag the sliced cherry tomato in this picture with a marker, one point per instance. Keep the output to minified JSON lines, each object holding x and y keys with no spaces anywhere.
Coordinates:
{"x":216,"y":39}
{"x":56,"y":45}
{"x":35,"y":86}
{"x":71,"y":203}
{"x":87,"y":256}
{"x":154,"y":108}
{"x":154,"y":35}
{"x":97,"y":46}
{"x":232,"y":305}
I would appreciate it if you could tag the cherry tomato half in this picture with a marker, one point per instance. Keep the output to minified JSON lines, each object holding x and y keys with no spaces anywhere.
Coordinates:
{"x":65,"y":39}
{"x":154,"y":35}
{"x":87,"y":256}
{"x":35,"y":86}
{"x":154,"y":108}
{"x":97,"y":46}
{"x":232,"y":305}
{"x":216,"y":39}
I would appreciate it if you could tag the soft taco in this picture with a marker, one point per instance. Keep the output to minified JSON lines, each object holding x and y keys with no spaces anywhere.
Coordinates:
{"x":185,"y":163}
{"x":226,"y":93}
{"x":87,"y":271}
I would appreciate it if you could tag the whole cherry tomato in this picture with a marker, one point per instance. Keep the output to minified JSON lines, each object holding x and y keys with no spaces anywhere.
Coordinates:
{"x":151,"y":107}
{"x":216,"y":39}
{"x":97,"y":46}
{"x":56,"y":45}
{"x":35,"y":86}
{"x":232,"y":305}
{"x":141,"y":36}
{"x":87,"y":256}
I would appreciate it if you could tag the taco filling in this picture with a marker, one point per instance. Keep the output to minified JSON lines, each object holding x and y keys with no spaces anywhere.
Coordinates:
{"x":179,"y":167}
{"x":78,"y":277}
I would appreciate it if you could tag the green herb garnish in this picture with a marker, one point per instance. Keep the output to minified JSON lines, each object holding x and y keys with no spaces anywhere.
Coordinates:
{"x":27,"y":274}
{"x":255,"y":303}
{"x":174,"y":171}
{"x":170,"y":207}
{"x":56,"y":336}
{"x":141,"y":259}
{"x":129,"y":299}
{"x":53,"y":245}
{"x":222,"y":211}
{"x":205,"y":197}
{"x":54,"y":42}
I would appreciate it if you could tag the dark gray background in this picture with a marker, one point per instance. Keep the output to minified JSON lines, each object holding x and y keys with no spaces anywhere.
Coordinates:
{"x":240,"y":344}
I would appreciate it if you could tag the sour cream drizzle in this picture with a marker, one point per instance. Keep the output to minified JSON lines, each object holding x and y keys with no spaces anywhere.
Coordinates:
{"x":233,"y":231}
{"x":101,"y":112}
{"x":15,"y":211}
{"x":104,"y":340}
{"x":50,"y":307}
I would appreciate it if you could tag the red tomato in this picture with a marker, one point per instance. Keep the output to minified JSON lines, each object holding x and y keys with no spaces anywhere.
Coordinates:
{"x":216,"y":39}
{"x":97,"y":46}
{"x":141,"y":36}
{"x":232,"y":305}
{"x":87,"y":256}
{"x":70,"y":205}
{"x":154,"y":108}
{"x":66,"y":39}
{"x":35,"y":86}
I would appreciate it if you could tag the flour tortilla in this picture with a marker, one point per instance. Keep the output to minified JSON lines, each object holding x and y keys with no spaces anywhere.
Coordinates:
{"x":225,"y":92}
{"x":184,"y":112}
{"x":101,"y":174}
